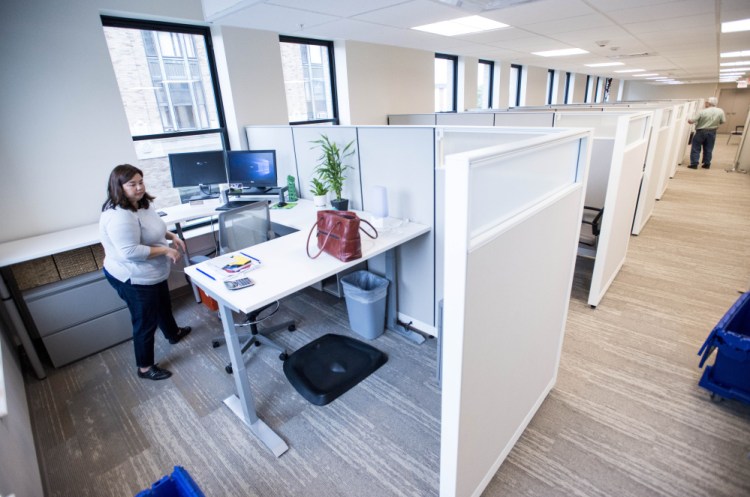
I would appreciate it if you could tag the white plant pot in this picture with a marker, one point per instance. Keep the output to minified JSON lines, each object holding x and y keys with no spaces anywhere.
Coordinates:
{"x":320,"y":200}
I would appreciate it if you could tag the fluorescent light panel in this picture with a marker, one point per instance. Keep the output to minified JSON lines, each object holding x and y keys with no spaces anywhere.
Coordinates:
{"x":735,"y":26}
{"x":561,"y":52}
{"x":631,"y":70}
{"x":732,"y":69}
{"x":605,"y":64}
{"x":461,"y":26}
{"x":742,"y":53}
{"x":738,"y":63}
{"x":646,"y":74}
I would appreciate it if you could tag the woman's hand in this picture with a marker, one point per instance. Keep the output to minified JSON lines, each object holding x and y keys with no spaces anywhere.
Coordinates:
{"x":174,"y":254}
{"x":179,"y":244}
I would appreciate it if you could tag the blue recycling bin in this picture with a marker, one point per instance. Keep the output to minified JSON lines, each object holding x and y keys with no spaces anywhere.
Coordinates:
{"x":729,"y":377}
{"x":178,"y":484}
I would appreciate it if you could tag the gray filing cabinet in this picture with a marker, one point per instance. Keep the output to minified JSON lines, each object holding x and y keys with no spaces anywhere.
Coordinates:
{"x":78,"y":316}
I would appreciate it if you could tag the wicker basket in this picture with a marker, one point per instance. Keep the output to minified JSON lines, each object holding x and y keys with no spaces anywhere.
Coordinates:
{"x":75,"y":262}
{"x":98,"y":252}
{"x":34,"y":273}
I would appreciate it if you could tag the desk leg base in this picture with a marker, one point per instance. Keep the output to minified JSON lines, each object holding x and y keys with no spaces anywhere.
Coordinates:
{"x":410,"y":335}
{"x":261,"y":430}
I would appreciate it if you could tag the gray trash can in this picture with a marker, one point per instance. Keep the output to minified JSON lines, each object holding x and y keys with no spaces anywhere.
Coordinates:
{"x":365,"y":295}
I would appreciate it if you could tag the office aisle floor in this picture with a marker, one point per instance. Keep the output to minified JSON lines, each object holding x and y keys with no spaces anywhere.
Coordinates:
{"x":626,"y":417}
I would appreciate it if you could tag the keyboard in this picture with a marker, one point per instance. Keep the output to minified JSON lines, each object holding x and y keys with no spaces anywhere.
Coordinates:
{"x":231,"y":205}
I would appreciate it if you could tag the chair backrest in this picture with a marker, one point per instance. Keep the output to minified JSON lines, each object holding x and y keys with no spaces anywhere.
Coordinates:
{"x":244,"y":226}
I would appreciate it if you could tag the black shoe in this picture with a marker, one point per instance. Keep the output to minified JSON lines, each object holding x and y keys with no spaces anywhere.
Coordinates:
{"x":693,"y":166}
{"x":181,"y":333}
{"x":154,"y":373}
{"x":706,"y":166}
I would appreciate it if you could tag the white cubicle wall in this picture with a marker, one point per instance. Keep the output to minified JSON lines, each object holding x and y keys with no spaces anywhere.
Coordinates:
{"x":506,"y":293}
{"x":617,"y":160}
{"x":618,"y":157}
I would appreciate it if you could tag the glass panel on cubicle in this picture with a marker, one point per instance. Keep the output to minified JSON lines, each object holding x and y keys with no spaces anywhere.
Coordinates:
{"x":637,"y":129}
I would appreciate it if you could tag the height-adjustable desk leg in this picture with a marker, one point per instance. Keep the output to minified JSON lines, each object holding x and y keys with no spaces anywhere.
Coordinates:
{"x":180,"y":234}
{"x":243,"y":404}
{"x":391,"y":317}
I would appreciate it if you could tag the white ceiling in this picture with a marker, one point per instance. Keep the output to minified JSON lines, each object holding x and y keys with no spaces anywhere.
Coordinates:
{"x":680,"y":39}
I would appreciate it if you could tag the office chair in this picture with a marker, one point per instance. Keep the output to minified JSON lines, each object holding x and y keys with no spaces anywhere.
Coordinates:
{"x":738,"y":130}
{"x":240,"y":228}
{"x":592,"y":216}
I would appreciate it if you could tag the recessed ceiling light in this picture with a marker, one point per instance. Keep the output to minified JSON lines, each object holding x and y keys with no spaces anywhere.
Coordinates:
{"x":742,"y":53}
{"x":631,"y":70}
{"x":732,"y":69}
{"x":738,"y":63}
{"x":605,"y":64}
{"x":646,"y":74}
{"x":735,"y":26}
{"x":561,"y":52}
{"x":461,"y":26}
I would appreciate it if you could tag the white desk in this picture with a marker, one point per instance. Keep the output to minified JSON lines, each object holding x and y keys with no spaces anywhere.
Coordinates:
{"x":286,"y":269}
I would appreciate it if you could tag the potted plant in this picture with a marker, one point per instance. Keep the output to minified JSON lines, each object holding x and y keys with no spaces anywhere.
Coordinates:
{"x":320,"y":193}
{"x":331,"y":168}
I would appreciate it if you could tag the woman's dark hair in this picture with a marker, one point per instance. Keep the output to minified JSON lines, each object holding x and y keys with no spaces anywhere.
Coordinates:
{"x":116,"y":196}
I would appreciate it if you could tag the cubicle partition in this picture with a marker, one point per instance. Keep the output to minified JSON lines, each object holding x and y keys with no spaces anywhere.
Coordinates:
{"x":618,"y":161}
{"x":506,"y":293}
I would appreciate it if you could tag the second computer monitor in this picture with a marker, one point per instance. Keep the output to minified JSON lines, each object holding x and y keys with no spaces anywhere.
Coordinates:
{"x":254,"y":169}
{"x":197,"y":168}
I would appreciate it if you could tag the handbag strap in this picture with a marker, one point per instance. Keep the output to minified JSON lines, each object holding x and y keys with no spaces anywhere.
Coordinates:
{"x":365,"y":231}
{"x":322,"y":245}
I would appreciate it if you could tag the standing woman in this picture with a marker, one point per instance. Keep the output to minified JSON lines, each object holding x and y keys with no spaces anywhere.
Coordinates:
{"x":137,"y":263}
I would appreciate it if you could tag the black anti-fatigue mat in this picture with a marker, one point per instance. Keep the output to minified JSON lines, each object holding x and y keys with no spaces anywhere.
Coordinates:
{"x":330,"y":365}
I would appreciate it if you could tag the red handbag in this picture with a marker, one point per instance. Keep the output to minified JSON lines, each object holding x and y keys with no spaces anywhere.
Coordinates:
{"x":338,"y":235}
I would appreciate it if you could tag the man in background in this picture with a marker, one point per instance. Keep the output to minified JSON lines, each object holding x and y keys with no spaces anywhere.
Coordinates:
{"x":706,"y":122}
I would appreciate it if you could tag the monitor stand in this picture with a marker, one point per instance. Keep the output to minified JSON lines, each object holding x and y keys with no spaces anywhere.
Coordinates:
{"x":255,"y":190}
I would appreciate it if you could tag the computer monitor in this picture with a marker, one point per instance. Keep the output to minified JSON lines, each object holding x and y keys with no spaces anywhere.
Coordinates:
{"x":201,"y":169}
{"x":253,"y":169}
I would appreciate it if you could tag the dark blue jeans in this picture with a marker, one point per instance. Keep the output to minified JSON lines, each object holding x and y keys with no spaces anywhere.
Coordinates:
{"x":150,"y":306}
{"x":703,"y":139}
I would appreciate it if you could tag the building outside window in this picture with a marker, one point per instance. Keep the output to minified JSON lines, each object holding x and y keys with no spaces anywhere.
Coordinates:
{"x":309,"y":81}
{"x":485,"y":69}
{"x":446,"y":75}
{"x":167,"y":79}
{"x":588,"y":96}
{"x":514,"y":91}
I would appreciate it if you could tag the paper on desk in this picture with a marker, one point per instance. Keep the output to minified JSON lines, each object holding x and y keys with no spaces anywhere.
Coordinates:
{"x":228,"y":265}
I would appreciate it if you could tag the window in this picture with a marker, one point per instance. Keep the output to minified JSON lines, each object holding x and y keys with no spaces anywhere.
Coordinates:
{"x":599,"y":89}
{"x":550,"y":86}
{"x":589,"y":89}
{"x":514,"y":93}
{"x":446,"y":75}
{"x":309,"y":80}
{"x":167,"y":79}
{"x":568,"y":94}
{"x":485,"y":70}
{"x":607,"y":85}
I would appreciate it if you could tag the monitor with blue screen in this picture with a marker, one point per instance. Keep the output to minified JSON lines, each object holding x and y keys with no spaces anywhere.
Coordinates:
{"x":253,"y":169}
{"x":201,"y":169}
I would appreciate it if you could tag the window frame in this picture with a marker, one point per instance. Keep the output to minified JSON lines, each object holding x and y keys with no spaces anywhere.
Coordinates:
{"x":519,"y":79}
{"x":550,"y":85}
{"x":170,"y":27}
{"x":454,"y":96}
{"x":566,"y":98}
{"x":491,"y":82}
{"x":589,"y":93}
{"x":335,"y":120}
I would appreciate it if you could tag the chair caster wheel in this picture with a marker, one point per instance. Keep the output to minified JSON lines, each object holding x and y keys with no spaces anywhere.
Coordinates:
{"x":716,"y":398}
{"x":228,"y":368}
{"x":292,"y":327}
{"x":283,"y":356}
{"x":215,"y":344}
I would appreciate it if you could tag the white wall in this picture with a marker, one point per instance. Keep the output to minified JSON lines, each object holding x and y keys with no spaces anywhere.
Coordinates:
{"x":502,"y":70}
{"x":470,"y":80}
{"x":386,"y":80}
{"x":242,"y":55}
{"x":636,"y":90}
{"x":536,"y":85}
{"x":63,"y":127}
